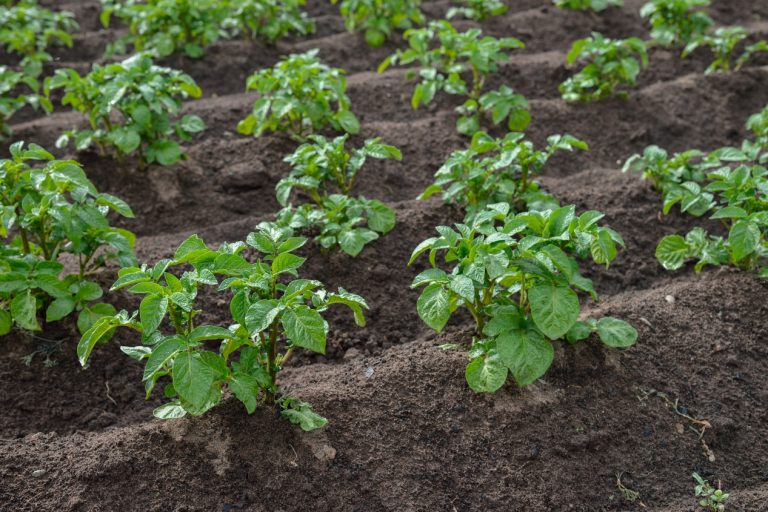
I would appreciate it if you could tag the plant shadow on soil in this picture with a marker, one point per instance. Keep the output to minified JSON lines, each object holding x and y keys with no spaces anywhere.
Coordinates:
{"x":405,"y":433}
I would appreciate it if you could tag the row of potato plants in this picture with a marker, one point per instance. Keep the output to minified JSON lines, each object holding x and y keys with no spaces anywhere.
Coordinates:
{"x":513,"y":260}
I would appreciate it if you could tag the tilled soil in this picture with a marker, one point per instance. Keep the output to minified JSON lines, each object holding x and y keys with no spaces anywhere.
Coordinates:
{"x":405,"y":433}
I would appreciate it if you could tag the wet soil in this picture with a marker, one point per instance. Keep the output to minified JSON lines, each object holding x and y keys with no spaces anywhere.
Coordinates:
{"x":405,"y":433}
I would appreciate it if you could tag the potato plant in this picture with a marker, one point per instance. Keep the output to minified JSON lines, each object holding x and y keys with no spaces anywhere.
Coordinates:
{"x":300,"y":95}
{"x":274,"y":313}
{"x":518,"y":276}
{"x":447,"y":58}
{"x":710,"y":499}
{"x":28,"y":31}
{"x":325,"y":172}
{"x":165,"y":27}
{"x":478,"y":10}
{"x":676,"y":22}
{"x":132,"y":106}
{"x":723,"y":43}
{"x":609,"y":64}
{"x":498,"y":170}
{"x":48,"y":212}
{"x":269,"y":20}
{"x":17,"y":90}
{"x":758,"y":125}
{"x":379,"y":19}
{"x":585,"y":5}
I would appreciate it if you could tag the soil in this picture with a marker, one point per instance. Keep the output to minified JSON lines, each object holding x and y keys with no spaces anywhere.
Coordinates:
{"x":405,"y":433}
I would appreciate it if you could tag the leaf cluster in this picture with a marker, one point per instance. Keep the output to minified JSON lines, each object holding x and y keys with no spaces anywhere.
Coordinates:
{"x":131,"y":106}
{"x":478,"y":10}
{"x":723,"y":43}
{"x":325,"y":172}
{"x":28,"y":30}
{"x":17,"y":90}
{"x":299,"y":95}
{"x":48,"y":212}
{"x":712,"y":500}
{"x":498,"y":170}
{"x":731,"y":186}
{"x":518,"y":276}
{"x":676,"y":22}
{"x":274,"y":312}
{"x":378,"y":19}
{"x":165,"y":27}
{"x":586,"y":5}
{"x":609,"y":64}
{"x":459,"y":63}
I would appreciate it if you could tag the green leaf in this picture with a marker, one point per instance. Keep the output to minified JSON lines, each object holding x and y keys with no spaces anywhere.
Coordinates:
{"x":487,"y":373}
{"x":463,"y":286}
{"x":261,"y":314}
{"x":672,"y":252}
{"x":348,"y":122}
{"x":434,"y":306}
{"x":603,"y":247}
{"x":193,"y":380}
{"x":301,"y":414}
{"x":24,"y":311}
{"x":91,"y":313}
{"x":6,"y":322}
{"x":161,"y":354}
{"x":305,"y":328}
{"x":286,"y":262}
{"x":579,"y":331}
{"x":101,"y":329}
{"x":151,"y":312}
{"x":166,"y":152}
{"x":170,"y":411}
{"x":554,"y":308}
{"x":59,"y":308}
{"x":246,"y":389}
{"x":616,"y":333}
{"x":209,"y":332}
{"x":743,"y":239}
{"x":352,"y":241}
{"x":527,"y":354}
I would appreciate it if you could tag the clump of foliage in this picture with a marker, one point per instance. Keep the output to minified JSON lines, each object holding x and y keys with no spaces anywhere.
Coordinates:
{"x":584,"y":5}
{"x":165,"y":27}
{"x":518,"y":276}
{"x":269,"y":20}
{"x":498,"y":170}
{"x":758,"y":125}
{"x":729,"y":184}
{"x":609,"y":64}
{"x":47,"y":212}
{"x":274,"y":313}
{"x":712,"y":500}
{"x":300,"y":95}
{"x":723,"y":43}
{"x":13,"y":99}
{"x":445,"y":57}
{"x":378,"y":19}
{"x":325,"y":172}
{"x":131,"y":106}
{"x":28,"y":30}
{"x":676,"y":22}
{"x":477,"y":10}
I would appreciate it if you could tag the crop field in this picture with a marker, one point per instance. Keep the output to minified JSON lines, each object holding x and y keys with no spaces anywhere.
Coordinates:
{"x":528,"y":274}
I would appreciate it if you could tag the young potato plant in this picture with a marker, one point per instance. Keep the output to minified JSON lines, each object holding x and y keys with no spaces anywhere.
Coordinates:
{"x":723,"y":43}
{"x":711,"y":499}
{"x":446,"y":58}
{"x":758,"y":125}
{"x":585,"y":5}
{"x":132,"y":107}
{"x":478,"y":10}
{"x":28,"y":31}
{"x":518,"y":276}
{"x":269,"y":20}
{"x":498,"y":170}
{"x":47,"y":212}
{"x":274,"y":313}
{"x":164,"y":27}
{"x":676,"y":22}
{"x":300,"y":95}
{"x":609,"y":64}
{"x":379,"y":19}
{"x":325,"y":172}
{"x":12,"y":99}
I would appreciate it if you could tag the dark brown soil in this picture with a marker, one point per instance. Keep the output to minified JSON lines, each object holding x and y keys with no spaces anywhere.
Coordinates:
{"x":405,"y":433}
